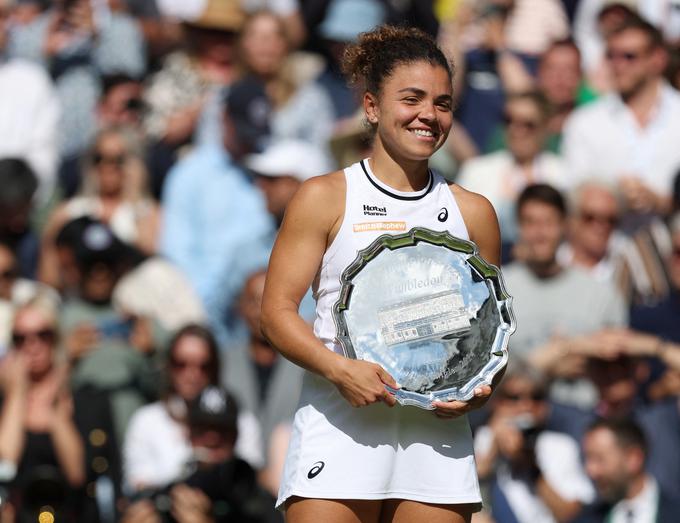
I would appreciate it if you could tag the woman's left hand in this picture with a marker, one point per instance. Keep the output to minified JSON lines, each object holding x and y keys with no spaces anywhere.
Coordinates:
{"x":455,"y":409}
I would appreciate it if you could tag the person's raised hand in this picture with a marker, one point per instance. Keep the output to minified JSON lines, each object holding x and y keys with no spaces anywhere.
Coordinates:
{"x":190,"y":505}
{"x":141,"y":512}
{"x":362,"y":383}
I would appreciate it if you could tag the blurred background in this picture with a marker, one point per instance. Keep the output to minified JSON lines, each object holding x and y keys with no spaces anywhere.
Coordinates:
{"x":148,"y":150}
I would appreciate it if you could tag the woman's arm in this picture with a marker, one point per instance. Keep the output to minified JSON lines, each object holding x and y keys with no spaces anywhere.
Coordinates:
{"x":14,"y":377}
{"x":68,"y":445}
{"x":311,"y":220}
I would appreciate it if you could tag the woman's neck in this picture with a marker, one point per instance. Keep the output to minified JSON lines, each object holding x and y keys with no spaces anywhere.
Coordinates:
{"x":400,"y":174}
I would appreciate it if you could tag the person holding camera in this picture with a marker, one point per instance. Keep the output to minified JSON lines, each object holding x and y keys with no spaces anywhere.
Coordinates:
{"x":534,"y":475}
{"x":217,"y":486}
{"x":42,"y":457}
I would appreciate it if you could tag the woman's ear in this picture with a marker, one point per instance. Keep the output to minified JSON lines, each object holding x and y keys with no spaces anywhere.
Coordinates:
{"x":371,"y":108}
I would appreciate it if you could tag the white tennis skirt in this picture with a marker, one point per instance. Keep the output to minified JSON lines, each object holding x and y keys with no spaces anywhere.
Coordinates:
{"x":376,"y":452}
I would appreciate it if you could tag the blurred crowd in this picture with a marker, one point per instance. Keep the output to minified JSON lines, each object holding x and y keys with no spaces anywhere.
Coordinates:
{"x":148,"y":150}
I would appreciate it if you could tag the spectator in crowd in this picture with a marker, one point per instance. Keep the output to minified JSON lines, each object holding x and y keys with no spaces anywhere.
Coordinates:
{"x":120,"y":104}
{"x":262,"y":380}
{"x":626,"y":137}
{"x":15,"y":292}
{"x":77,"y":42}
{"x":184,"y":97}
{"x":19,"y":185}
{"x":594,"y":212}
{"x":616,"y":453}
{"x":502,"y":175}
{"x":342,"y":21}
{"x":109,"y":350}
{"x":210,"y":206}
{"x":560,"y":79}
{"x":29,"y":110}
{"x":300,"y":111}
{"x":219,"y":487}
{"x":114,"y":191}
{"x":557,"y":307}
{"x":536,"y":474}
{"x":619,"y":378}
{"x":290,"y":13}
{"x":278,"y":172}
{"x":487,"y":69}
{"x":39,"y":441}
{"x":156,"y":449}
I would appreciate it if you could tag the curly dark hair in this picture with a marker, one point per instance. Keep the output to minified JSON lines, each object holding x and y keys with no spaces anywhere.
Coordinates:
{"x":377,"y":53}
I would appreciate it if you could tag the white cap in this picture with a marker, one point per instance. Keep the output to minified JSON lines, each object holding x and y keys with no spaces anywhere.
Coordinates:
{"x":295,"y":158}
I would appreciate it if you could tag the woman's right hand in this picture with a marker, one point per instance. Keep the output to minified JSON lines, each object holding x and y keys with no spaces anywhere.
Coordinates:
{"x":14,"y":373}
{"x":362,"y":383}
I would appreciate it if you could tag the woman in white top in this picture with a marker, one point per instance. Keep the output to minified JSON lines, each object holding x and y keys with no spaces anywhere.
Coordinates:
{"x":113,"y":190}
{"x":374,"y":463}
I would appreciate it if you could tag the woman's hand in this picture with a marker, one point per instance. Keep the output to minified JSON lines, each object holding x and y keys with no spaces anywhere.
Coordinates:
{"x":14,"y":374}
{"x":362,"y":383}
{"x":454,"y":409}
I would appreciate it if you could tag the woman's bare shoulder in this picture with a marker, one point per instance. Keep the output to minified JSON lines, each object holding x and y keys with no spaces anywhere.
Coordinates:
{"x":472,"y":204}
{"x":321,"y":198}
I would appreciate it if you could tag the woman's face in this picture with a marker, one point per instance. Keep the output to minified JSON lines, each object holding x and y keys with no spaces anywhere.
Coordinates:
{"x":109,"y":160}
{"x":414,"y":110}
{"x":263,"y":45}
{"x":35,"y":336}
{"x":189,"y":367}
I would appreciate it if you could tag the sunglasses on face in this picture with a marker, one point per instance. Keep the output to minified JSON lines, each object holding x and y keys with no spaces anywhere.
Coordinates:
{"x":8,"y":275}
{"x":47,"y":336}
{"x":623,"y":56}
{"x":524,"y":123}
{"x":533,"y":396}
{"x":183,"y":364}
{"x":590,"y":218}
{"x":116,"y":160}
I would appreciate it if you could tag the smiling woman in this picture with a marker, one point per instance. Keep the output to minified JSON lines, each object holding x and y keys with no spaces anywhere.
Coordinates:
{"x":374,"y":463}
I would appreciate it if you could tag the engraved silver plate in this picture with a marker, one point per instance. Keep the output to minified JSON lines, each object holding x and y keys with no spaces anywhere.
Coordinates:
{"x":427,"y":308}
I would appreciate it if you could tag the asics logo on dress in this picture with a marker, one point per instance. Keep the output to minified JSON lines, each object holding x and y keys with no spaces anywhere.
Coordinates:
{"x":316,"y":469}
{"x":443,"y":214}
{"x":374,"y":210}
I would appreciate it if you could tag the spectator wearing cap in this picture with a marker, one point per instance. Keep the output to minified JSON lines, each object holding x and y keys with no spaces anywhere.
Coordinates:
{"x":211,"y":207}
{"x":39,"y":441}
{"x":301,"y":109}
{"x":219,"y":487}
{"x":29,"y":110}
{"x":184,"y":98}
{"x":626,"y":137}
{"x":157,"y":450}
{"x":278,"y":170}
{"x":109,"y":350}
{"x":341,"y":23}
{"x":114,"y":191}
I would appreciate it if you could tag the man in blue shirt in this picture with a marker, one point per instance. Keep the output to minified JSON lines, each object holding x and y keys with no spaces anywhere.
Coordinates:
{"x":210,"y":204}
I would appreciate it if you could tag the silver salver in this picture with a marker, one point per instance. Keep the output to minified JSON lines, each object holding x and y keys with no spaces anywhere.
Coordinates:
{"x":427,"y":308}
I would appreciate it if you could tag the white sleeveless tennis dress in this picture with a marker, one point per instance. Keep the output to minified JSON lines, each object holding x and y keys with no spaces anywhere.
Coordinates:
{"x":376,"y":452}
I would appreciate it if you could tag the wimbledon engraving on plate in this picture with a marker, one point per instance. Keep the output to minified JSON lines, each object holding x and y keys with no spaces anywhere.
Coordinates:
{"x":440,"y":315}
{"x":427,"y":309}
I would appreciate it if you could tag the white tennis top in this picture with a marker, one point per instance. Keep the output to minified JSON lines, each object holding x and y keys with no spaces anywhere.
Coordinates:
{"x":372,"y":209}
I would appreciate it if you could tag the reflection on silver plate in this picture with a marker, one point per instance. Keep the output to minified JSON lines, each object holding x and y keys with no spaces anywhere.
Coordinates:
{"x":427,"y":308}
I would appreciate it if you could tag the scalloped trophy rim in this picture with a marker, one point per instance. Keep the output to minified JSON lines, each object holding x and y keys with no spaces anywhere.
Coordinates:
{"x":487,"y":271}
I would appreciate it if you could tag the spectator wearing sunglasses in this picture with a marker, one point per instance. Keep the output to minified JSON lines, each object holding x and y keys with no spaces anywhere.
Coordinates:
{"x":628,"y":137}
{"x":533,"y":474}
{"x":38,"y":436}
{"x":114,"y":191}
{"x":15,"y":292}
{"x":156,"y":448}
{"x":502,"y":175}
